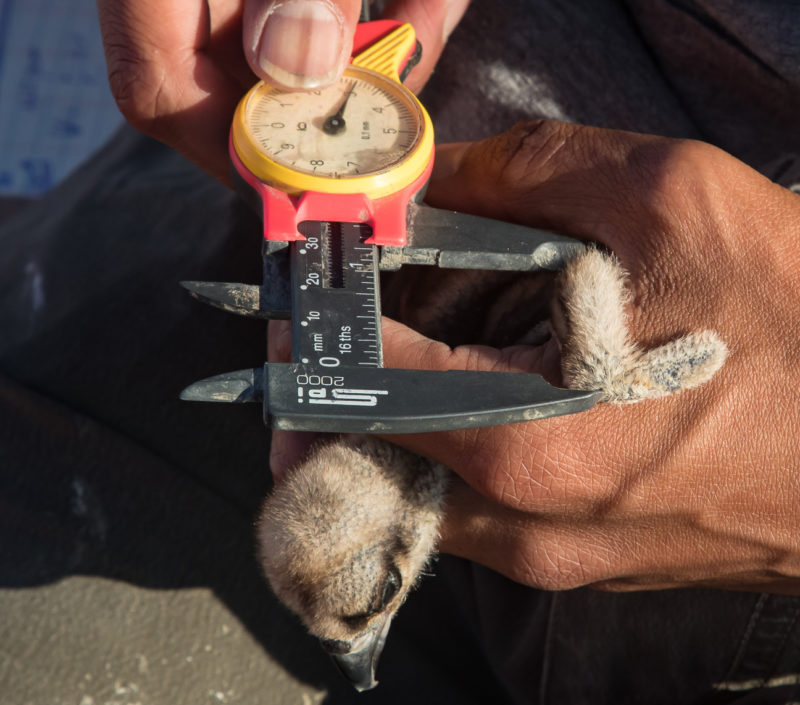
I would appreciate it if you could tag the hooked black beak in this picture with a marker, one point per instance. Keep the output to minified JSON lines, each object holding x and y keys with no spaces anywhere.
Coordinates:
{"x":359,"y":663}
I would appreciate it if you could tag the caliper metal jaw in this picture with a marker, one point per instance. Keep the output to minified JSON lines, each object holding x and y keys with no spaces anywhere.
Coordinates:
{"x":270,"y":300}
{"x":453,"y":240}
{"x":389,"y":400}
{"x":328,"y":286}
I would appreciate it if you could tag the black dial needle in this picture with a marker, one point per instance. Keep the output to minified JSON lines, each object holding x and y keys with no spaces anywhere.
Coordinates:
{"x":334,"y":124}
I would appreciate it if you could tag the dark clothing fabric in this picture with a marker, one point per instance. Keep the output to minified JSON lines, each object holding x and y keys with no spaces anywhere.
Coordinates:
{"x":126,"y":550}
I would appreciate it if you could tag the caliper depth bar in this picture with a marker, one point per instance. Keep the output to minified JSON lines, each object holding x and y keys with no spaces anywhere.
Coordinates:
{"x":335,"y":297}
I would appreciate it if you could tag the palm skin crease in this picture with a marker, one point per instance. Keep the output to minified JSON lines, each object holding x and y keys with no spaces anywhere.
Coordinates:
{"x":345,"y":536}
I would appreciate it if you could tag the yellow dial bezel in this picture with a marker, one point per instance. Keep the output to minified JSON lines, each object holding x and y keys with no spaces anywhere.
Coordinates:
{"x":377,"y":184}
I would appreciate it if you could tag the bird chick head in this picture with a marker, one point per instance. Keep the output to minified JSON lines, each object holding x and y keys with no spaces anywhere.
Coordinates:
{"x":343,"y":538}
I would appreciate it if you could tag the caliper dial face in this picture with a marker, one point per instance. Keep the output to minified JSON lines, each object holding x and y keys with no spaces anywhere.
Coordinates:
{"x":364,"y":124}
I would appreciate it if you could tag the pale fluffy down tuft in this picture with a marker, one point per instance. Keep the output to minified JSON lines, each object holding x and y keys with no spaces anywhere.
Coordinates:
{"x":591,"y":322}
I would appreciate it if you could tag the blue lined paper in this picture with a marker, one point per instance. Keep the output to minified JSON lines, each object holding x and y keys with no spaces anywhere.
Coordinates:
{"x":55,"y":105}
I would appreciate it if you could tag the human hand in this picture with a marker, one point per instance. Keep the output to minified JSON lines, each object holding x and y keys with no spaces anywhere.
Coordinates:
{"x":177,"y":68}
{"x":700,"y":488}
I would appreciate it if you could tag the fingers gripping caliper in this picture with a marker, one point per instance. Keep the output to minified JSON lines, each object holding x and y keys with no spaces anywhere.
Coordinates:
{"x":338,"y":174}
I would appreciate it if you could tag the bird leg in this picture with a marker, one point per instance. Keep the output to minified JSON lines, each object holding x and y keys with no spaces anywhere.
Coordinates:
{"x":590,"y":321}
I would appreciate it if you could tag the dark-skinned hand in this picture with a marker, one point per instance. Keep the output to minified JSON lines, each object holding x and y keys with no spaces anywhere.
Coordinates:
{"x":699,"y":488}
{"x":177,"y":68}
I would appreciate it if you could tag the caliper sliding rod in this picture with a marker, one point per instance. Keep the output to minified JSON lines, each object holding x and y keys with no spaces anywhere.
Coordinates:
{"x":328,"y":285}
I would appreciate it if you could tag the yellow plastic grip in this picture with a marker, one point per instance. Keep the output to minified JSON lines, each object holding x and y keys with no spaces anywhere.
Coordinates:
{"x":387,"y":54}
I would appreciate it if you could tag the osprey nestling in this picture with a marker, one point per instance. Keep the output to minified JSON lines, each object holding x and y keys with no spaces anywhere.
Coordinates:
{"x":344,"y":537}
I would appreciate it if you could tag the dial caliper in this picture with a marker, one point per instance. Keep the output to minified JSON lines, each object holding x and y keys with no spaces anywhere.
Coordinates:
{"x":337,"y":175}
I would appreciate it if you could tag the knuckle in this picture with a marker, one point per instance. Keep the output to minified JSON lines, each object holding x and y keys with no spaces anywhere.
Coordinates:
{"x":687,"y":187}
{"x":697,"y":156}
{"x":136,"y":88}
{"x":135,"y":75}
{"x":530,"y":152}
{"x":680,"y":169}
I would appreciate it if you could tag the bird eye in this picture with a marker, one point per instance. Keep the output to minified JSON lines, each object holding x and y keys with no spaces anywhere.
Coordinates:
{"x":391,"y":587}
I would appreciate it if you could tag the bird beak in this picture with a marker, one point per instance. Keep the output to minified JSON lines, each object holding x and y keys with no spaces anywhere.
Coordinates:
{"x":359,"y":664}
